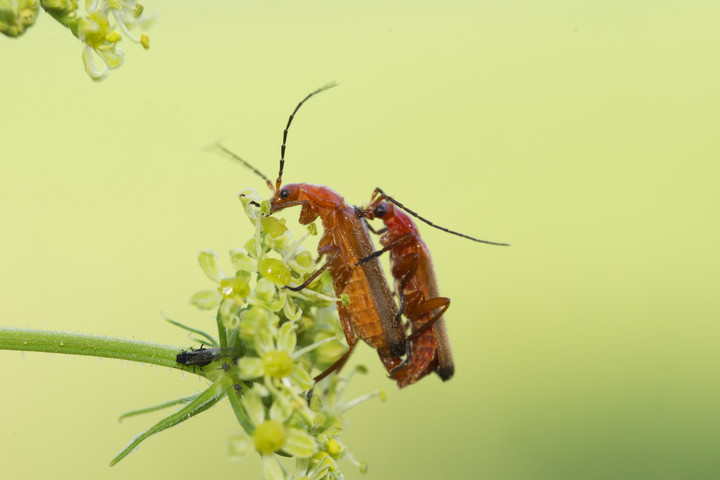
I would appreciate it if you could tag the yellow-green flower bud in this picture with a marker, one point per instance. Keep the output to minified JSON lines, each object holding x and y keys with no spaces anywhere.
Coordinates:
{"x":274,"y":270}
{"x":345,"y":299}
{"x":265,"y":207}
{"x":273,"y":226}
{"x":60,"y":6}
{"x":269,"y":437}
{"x":277,"y":363}
{"x":304,"y":261}
{"x":235,"y":288}
{"x":17,"y":15}
{"x":334,"y":448}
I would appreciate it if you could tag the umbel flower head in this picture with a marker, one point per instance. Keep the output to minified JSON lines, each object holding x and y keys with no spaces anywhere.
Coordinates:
{"x":100,"y":26}
{"x":270,"y":341}
{"x":105,"y":24}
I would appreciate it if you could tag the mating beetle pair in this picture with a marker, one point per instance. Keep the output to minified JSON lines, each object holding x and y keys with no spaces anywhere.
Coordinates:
{"x":372,"y":313}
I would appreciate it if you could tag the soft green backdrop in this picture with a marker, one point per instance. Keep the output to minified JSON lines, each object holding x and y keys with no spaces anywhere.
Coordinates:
{"x":584,"y":133}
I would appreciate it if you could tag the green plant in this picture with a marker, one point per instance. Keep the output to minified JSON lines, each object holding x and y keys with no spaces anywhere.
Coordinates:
{"x":269,"y":341}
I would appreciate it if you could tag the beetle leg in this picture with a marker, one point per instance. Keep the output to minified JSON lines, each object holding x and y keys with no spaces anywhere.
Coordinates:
{"x":340,"y":362}
{"x":376,"y":232}
{"x":404,"y":270}
{"x":408,"y":237}
{"x":443,"y":303}
{"x":315,"y":274}
{"x":372,"y":256}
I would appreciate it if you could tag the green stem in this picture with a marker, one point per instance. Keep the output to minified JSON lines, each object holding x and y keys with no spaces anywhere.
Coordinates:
{"x":237,"y":407}
{"x":75,"y":344}
{"x":222,"y":331}
{"x":70,"y":19}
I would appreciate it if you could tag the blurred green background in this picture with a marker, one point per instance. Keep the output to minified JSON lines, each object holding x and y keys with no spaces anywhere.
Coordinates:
{"x":584,"y":133}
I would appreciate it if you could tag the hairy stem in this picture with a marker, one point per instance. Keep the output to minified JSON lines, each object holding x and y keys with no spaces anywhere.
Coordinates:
{"x":76,"y":344}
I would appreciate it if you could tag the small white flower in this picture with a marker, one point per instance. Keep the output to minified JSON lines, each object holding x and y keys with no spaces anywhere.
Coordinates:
{"x":234,"y":290}
{"x":100,"y":41}
{"x":273,"y":433}
{"x":275,"y":362}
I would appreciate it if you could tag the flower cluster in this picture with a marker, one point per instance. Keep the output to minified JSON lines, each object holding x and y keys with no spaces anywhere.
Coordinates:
{"x":275,"y":339}
{"x":100,"y":26}
{"x":17,"y":15}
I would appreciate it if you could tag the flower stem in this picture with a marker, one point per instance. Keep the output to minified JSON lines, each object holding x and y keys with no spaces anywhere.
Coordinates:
{"x":75,"y":344}
{"x":69,"y":19}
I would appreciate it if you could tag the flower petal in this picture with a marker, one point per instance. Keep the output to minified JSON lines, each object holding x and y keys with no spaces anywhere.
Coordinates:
{"x":286,"y":337}
{"x":264,"y":339}
{"x":240,"y":445}
{"x":113,"y":57}
{"x":265,"y":289}
{"x":272,"y":469}
{"x":206,"y":299}
{"x":241,"y":261}
{"x":208,"y":262}
{"x":301,"y":378}
{"x":281,"y":409}
{"x":254,"y":407}
{"x":323,"y":468}
{"x":250,"y":367}
{"x":288,"y":306}
{"x":91,"y":65}
{"x":299,"y":443}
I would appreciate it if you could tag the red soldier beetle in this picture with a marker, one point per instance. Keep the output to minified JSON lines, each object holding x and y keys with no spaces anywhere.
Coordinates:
{"x":372,"y":313}
{"x":420,"y":301}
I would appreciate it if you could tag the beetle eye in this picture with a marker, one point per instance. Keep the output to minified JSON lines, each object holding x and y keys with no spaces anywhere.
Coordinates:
{"x":284,"y":193}
{"x":379,"y":211}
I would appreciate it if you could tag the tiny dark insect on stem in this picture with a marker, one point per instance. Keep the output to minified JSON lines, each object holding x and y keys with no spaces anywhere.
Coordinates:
{"x":201,"y":357}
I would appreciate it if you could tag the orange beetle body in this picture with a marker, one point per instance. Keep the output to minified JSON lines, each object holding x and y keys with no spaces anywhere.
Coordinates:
{"x":416,"y":284}
{"x":372,"y":312}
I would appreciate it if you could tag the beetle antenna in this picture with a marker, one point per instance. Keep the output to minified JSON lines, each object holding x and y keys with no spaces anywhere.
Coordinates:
{"x":235,"y":157}
{"x":384,"y":196}
{"x":278,"y":182}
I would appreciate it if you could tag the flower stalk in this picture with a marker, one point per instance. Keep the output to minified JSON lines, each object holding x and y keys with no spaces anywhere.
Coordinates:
{"x":76,"y":344}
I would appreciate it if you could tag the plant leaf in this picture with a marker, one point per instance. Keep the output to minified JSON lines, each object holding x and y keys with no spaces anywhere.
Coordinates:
{"x":154,"y":408}
{"x":199,"y":404}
